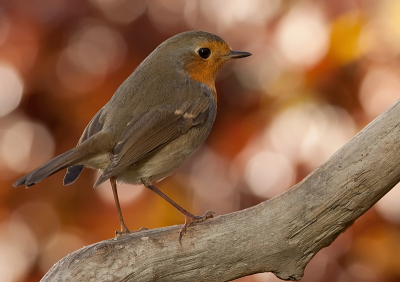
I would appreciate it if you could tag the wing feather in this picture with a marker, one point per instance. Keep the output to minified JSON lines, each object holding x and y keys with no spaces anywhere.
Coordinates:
{"x":151,"y":131}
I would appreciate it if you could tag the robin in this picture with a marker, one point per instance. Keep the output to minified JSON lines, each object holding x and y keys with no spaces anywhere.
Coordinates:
{"x":159,"y":116}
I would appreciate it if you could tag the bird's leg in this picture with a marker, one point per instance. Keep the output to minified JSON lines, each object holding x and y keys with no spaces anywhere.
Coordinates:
{"x":189,"y":218}
{"x":124,"y":229}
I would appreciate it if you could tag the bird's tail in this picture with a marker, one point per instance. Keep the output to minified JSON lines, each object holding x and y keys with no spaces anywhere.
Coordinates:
{"x":67,"y":159}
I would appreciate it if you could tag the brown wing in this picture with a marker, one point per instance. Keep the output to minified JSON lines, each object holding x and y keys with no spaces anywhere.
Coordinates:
{"x":94,"y":126}
{"x":147,"y":133}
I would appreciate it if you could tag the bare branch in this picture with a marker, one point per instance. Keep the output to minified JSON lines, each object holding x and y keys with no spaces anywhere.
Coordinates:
{"x":280,"y":235}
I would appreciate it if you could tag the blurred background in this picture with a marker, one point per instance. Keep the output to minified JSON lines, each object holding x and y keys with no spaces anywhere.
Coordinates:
{"x":320,"y":72}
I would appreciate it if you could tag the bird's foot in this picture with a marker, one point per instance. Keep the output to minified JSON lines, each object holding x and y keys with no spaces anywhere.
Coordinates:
{"x":190,"y":218}
{"x":125,"y":231}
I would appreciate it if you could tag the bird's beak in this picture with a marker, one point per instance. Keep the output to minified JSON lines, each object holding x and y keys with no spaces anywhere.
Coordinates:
{"x":236,"y":55}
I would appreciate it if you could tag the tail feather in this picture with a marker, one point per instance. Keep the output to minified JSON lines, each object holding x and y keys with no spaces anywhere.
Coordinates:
{"x":58,"y":163}
{"x":72,"y":174}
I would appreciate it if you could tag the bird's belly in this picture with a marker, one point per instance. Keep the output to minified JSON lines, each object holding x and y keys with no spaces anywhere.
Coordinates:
{"x":98,"y":162}
{"x":164,"y":161}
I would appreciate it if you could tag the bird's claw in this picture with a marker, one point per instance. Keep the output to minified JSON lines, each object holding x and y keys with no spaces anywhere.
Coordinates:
{"x":190,"y":218}
{"x":121,"y":233}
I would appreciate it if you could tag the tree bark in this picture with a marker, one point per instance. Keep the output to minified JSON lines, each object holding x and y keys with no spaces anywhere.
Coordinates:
{"x":280,"y":235}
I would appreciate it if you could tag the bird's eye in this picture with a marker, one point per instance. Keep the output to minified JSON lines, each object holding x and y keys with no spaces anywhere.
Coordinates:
{"x":204,"y":53}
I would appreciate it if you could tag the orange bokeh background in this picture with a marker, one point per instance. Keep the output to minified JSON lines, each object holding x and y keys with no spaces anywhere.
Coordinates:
{"x":320,"y":72}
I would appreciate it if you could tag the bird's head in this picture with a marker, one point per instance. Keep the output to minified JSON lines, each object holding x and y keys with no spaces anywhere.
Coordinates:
{"x":198,"y":54}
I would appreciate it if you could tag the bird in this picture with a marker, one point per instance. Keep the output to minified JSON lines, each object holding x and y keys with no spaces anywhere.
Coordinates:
{"x":157,"y":118}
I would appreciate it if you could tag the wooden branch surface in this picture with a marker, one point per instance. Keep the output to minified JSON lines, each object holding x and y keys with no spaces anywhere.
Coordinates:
{"x":280,"y":235}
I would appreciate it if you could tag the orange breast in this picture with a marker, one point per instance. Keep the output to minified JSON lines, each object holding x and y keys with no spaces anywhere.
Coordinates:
{"x":204,"y":72}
